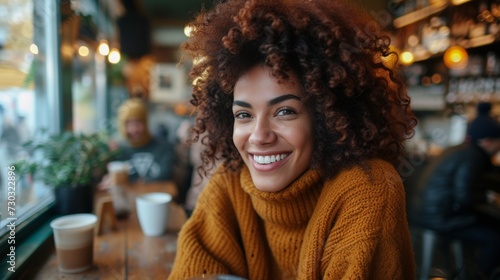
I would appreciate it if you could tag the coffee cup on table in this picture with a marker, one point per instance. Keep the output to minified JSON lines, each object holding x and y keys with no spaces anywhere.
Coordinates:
{"x":118,"y":172}
{"x":152,"y":212}
{"x":74,"y":241}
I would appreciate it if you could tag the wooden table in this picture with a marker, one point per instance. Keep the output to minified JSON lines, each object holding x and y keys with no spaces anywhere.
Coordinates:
{"x":126,"y":253}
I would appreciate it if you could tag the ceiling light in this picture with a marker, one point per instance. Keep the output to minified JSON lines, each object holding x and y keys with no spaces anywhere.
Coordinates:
{"x":103,"y":48}
{"x":456,"y":57}
{"x":83,"y":51}
{"x":458,"y":2}
{"x":114,"y":56}
{"x":187,"y":30}
{"x":407,"y":58}
{"x":34,"y":49}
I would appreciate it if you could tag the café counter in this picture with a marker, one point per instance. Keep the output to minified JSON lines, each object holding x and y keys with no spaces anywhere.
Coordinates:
{"x":125,"y":252}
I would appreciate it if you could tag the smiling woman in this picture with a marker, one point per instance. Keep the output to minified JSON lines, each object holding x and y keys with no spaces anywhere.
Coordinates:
{"x":272,"y":128}
{"x":294,"y":99}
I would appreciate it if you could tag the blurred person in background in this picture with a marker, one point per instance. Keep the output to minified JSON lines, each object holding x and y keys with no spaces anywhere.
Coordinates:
{"x":149,"y":159}
{"x":449,"y":190}
{"x":10,"y":139}
{"x":23,"y":129}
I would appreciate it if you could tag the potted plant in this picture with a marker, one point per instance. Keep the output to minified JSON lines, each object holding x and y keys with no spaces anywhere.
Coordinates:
{"x":71,"y":163}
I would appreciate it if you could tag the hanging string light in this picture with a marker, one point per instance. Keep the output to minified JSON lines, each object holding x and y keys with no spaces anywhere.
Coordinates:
{"x":187,"y":30}
{"x":34,"y":49}
{"x":103,"y":47}
{"x":114,"y":56}
{"x":407,"y":58}
{"x":83,"y":51}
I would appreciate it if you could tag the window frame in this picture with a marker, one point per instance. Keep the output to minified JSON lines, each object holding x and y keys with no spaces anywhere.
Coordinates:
{"x":34,"y":232}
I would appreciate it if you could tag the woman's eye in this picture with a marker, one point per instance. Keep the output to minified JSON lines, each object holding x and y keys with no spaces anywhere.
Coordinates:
{"x":242,"y":115}
{"x":285,"y":111}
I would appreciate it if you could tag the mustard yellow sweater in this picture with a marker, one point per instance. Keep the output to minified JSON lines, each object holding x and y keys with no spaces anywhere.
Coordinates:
{"x":351,"y":227}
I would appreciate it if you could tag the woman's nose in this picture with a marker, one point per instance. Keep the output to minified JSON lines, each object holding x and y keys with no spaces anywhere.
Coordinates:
{"x":262,"y":133}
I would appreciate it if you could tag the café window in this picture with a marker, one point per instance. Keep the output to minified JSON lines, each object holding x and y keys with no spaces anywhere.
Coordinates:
{"x":28,"y":99}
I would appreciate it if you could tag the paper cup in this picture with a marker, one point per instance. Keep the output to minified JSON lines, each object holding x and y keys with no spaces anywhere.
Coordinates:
{"x":74,"y":240}
{"x":118,"y":172}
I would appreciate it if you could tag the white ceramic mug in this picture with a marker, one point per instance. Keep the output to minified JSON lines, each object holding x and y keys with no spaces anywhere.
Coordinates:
{"x":152,"y":212}
{"x":74,"y":240}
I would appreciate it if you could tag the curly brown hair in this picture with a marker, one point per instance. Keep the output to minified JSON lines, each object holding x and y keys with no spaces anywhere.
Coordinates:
{"x":360,"y":106}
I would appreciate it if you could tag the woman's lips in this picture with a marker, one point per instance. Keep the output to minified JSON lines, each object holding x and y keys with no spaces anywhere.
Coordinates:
{"x":267,"y":159}
{"x":268,"y":162}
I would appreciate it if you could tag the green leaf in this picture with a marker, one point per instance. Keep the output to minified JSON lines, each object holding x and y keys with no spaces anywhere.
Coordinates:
{"x":68,"y":159}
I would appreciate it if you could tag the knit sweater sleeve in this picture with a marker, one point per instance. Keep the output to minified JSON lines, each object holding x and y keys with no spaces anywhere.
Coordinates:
{"x":365,"y":234}
{"x":209,"y":242}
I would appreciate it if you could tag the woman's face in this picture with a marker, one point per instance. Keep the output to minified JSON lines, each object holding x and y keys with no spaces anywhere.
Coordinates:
{"x":272,"y":129}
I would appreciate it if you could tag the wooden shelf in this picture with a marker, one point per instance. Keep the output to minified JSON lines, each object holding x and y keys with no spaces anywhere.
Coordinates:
{"x":420,"y":14}
{"x":479,"y":41}
{"x":467,"y":44}
{"x":422,"y":55}
{"x":432,"y":97}
{"x":427,"y":97}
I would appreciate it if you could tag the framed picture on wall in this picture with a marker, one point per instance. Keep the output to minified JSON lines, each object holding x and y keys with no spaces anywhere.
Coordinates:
{"x":168,"y":83}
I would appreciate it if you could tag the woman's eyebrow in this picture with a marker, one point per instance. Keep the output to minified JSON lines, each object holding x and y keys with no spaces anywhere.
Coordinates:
{"x":282,"y":98}
{"x":271,"y":102}
{"x":242,"y":104}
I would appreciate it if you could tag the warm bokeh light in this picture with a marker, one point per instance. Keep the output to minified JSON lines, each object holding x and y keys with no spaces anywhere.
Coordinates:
{"x":103,"y":48}
{"x":187,"y":30}
{"x":67,"y":50}
{"x":407,"y":57}
{"x":114,"y":56}
{"x":181,"y":109}
{"x":413,"y":40}
{"x":34,"y":49}
{"x":459,"y":2}
{"x":83,"y":51}
{"x":426,"y":81}
{"x":436,"y":78}
{"x":456,"y":57}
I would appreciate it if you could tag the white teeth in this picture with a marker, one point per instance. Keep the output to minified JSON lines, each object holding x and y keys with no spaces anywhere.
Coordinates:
{"x":269,"y":159}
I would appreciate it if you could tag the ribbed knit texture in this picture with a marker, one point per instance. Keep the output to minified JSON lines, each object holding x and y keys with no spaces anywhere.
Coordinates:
{"x":351,"y":227}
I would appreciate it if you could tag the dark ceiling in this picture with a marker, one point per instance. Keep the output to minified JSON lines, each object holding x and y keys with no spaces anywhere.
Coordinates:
{"x":174,"y":10}
{"x":166,"y":20}
{"x":185,"y":10}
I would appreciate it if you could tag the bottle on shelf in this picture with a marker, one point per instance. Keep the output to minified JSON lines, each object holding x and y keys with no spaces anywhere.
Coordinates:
{"x":436,"y":35}
{"x":473,"y":25}
{"x":492,"y":66}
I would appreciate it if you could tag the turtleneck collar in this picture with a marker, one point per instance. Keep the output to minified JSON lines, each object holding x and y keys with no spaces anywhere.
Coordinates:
{"x":291,"y":206}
